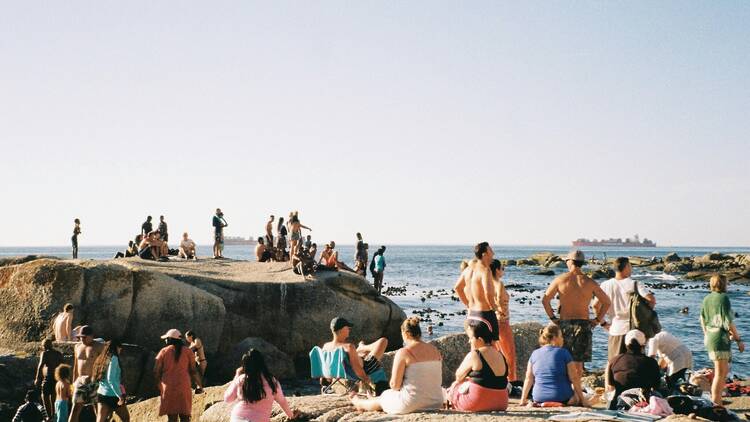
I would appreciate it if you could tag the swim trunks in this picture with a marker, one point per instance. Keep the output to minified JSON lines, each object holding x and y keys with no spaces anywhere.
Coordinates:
{"x":577,"y":338}
{"x":110,"y":401}
{"x":486,"y":317}
{"x":84,"y":393}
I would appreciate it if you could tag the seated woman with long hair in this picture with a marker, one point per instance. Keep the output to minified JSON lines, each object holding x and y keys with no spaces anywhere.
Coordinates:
{"x":254,"y":389}
{"x":482,"y":378}
{"x":415,"y":379}
{"x":550,"y":372}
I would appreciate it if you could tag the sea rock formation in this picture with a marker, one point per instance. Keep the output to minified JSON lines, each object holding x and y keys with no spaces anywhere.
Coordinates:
{"x":224,"y":302}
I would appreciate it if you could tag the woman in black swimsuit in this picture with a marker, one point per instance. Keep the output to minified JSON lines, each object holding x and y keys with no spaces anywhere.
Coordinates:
{"x":49,"y":360}
{"x":74,"y":239}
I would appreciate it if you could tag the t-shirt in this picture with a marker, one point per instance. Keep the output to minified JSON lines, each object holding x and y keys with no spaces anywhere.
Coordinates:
{"x":187,"y":244}
{"x":619,"y":292}
{"x":663,"y":343}
{"x":631,"y":370}
{"x":218,"y":224}
{"x":549,"y":365}
{"x":30,"y":412}
{"x":379,"y":263}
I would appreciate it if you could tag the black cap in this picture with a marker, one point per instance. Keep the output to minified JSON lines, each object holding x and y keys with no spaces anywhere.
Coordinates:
{"x":85,"y":330}
{"x":339,"y":323}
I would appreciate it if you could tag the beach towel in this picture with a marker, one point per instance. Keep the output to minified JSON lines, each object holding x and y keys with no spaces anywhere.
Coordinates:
{"x":603,"y":415}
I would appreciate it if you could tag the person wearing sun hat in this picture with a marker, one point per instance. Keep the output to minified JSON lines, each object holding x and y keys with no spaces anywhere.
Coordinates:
{"x":632,"y":369}
{"x":174,"y":369}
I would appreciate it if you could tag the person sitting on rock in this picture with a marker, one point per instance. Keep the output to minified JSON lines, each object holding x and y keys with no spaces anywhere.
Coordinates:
{"x":63,"y":323}
{"x":187,"y":247}
{"x":415,"y":378}
{"x":482,"y":378}
{"x":551,"y":371}
{"x":146,"y":247}
{"x":333,"y":259}
{"x":312,"y":251}
{"x":363,"y":359}
{"x":254,"y":390}
{"x":261,"y":252}
{"x":31,"y":410}
{"x":302,"y":264}
{"x":326,"y":261}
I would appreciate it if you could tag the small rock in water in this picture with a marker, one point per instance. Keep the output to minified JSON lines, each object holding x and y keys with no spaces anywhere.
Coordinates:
{"x":685,"y":310}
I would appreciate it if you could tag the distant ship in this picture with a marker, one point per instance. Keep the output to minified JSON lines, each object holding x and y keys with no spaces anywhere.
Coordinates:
{"x":237,"y":240}
{"x":617,"y":243}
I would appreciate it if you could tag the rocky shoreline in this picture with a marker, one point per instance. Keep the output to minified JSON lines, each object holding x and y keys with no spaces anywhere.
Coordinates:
{"x":736,"y":267}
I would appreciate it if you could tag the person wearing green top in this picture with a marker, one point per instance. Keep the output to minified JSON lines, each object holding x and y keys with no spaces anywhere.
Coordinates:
{"x":717,"y":321}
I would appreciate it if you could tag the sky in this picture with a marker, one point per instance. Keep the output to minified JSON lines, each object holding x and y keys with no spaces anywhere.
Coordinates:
{"x":413,"y":122}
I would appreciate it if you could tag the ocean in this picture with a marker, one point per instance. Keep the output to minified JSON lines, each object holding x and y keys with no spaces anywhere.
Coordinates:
{"x":424,"y":270}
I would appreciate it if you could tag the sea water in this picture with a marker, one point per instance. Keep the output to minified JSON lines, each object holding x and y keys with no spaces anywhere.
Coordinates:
{"x":422,"y":269}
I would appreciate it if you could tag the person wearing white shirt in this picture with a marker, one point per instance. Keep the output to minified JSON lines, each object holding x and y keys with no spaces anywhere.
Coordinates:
{"x":187,"y":247}
{"x":672,"y":354}
{"x":618,"y":290}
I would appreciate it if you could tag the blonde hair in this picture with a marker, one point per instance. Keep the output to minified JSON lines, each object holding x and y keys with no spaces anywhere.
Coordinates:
{"x":463,"y":265}
{"x":548,"y":333}
{"x":718,"y":283}
{"x":410,"y":327}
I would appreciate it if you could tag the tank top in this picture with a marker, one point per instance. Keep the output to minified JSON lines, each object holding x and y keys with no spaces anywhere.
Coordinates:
{"x":486,"y":378}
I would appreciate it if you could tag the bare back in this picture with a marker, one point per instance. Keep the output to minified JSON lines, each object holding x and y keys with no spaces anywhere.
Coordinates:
{"x":575,"y":293}
{"x":480,"y":288}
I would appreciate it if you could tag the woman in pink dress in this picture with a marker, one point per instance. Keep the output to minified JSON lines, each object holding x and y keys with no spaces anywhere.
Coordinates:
{"x":174,"y":368}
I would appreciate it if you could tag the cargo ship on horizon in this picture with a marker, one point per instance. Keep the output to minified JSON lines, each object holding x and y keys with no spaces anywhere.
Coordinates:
{"x":616,"y":243}
{"x":238,"y":240}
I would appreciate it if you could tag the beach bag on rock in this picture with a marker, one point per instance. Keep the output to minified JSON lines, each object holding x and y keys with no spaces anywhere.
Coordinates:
{"x":642,"y":316}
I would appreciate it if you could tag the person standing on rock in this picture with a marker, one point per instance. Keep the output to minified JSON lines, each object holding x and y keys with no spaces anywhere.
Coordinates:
{"x":377,"y":267}
{"x":269,"y":231}
{"x":49,"y":360}
{"x":108,"y":373}
{"x":163,"y":229}
{"x":719,"y":331}
{"x":618,"y":290}
{"x":196,"y":346}
{"x":295,"y":226}
{"x":219,"y":223}
{"x":481,"y":289}
{"x":63,"y":325}
{"x":575,"y":291}
{"x":147,"y":227}
{"x":360,"y":257}
{"x":74,"y":239}
{"x":84,"y":387}
{"x":505,"y":333}
{"x":175,"y":366}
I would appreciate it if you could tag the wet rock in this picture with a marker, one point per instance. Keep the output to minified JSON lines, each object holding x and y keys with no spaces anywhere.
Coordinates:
{"x":672,"y":257}
{"x":544,"y":272}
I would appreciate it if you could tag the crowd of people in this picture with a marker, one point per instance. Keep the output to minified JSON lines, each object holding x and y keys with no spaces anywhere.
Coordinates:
{"x":643,"y":359}
{"x":94,"y":380}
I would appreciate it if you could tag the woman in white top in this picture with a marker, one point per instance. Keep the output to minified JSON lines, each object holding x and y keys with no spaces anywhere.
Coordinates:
{"x":416,"y":377}
{"x":673,"y":355}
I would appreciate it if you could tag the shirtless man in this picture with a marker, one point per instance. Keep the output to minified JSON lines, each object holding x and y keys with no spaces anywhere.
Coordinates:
{"x":269,"y":231}
{"x":84,"y":389}
{"x":461,"y":288}
{"x":261,"y":253}
{"x":63,"y":324}
{"x":575,"y":290}
{"x":480,"y":289}
{"x":365,"y":358}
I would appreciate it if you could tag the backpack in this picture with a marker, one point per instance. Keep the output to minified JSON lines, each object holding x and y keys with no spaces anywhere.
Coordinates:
{"x":642,"y":316}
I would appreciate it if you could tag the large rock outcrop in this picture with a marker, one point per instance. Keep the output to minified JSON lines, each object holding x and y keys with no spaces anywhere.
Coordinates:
{"x":224,"y":302}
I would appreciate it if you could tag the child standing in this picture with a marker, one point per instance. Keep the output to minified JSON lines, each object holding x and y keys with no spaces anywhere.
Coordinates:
{"x":62,"y":388}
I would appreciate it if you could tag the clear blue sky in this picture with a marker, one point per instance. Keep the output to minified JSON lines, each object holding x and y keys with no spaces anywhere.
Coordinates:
{"x":412,"y":122}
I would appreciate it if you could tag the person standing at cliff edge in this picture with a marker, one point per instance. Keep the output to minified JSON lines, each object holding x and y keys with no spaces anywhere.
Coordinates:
{"x":219,"y":223}
{"x":377,"y":266}
{"x":74,"y":239}
{"x":163,"y":229}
